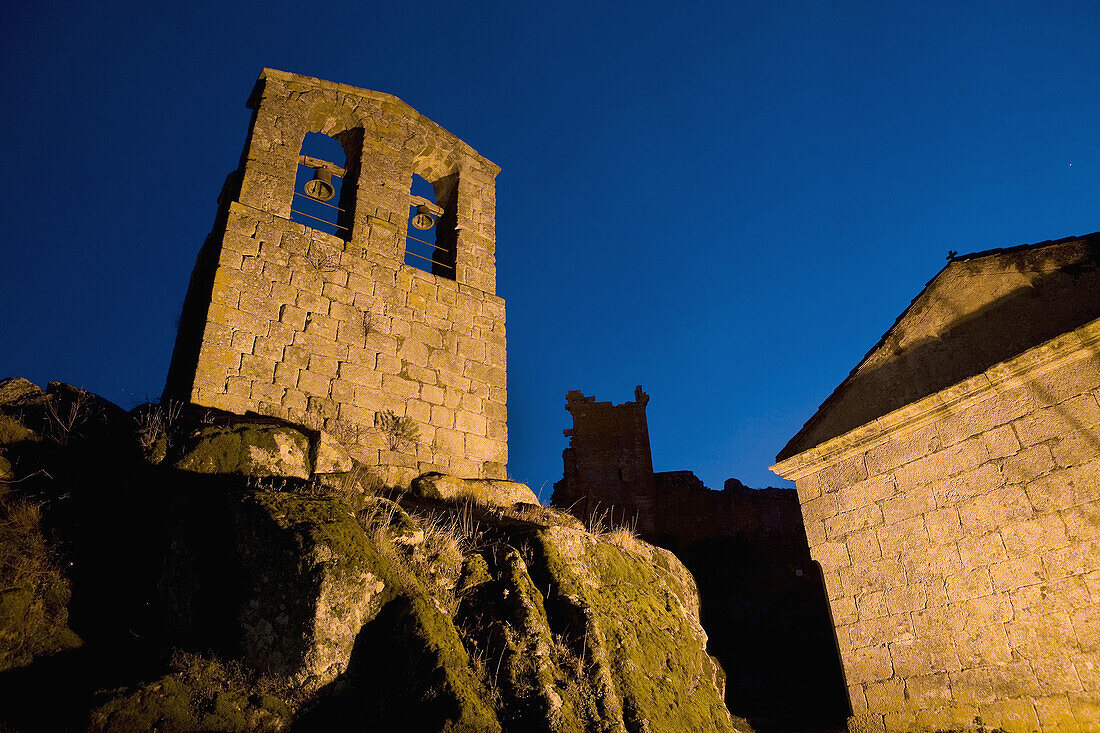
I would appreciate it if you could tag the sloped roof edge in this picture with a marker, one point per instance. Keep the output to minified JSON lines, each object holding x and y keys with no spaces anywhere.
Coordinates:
{"x":794,"y":446}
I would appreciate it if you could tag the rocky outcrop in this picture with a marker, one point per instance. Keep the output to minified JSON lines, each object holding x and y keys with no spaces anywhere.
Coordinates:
{"x":332,"y":601}
{"x":490,"y":491}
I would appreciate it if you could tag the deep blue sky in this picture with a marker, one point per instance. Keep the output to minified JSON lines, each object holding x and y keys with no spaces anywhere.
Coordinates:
{"x":727,"y":203}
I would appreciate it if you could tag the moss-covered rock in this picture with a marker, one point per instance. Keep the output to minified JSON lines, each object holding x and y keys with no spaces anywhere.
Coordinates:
{"x":34,"y":594}
{"x":329,"y":456}
{"x":247,"y":449}
{"x":361,"y":608}
{"x":200,"y":694}
{"x":16,"y":390}
{"x":488,"y":491}
{"x":642,"y":641}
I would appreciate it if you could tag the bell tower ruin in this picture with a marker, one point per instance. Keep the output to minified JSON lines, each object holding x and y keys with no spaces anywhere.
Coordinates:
{"x":337,"y":331}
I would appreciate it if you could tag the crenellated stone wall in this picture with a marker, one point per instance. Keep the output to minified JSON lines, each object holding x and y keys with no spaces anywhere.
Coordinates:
{"x":329,"y":331}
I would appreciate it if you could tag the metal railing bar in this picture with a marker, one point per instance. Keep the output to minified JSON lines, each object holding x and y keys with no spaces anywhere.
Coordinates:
{"x":429,"y":259}
{"x":302,"y":213}
{"x":441,"y":249}
{"x":320,"y":202}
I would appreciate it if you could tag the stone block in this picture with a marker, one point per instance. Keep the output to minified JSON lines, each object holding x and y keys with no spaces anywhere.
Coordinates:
{"x":900,"y":450}
{"x":868,"y":491}
{"x":1076,"y":558}
{"x":868,"y":723}
{"x":342,"y":391}
{"x":1076,"y":448}
{"x":878,"y":575}
{"x":995,"y":509}
{"x":469,"y":422}
{"x":871,"y":605}
{"x":358,"y":374}
{"x":943,"y":525}
{"x":323,"y":365}
{"x":1021,"y":537}
{"x":313,"y":343}
{"x":831,"y":554}
{"x":432,"y":395}
{"x":905,"y":536}
{"x":399,"y":386}
{"x":1027,"y":464}
{"x":1066,"y":487}
{"x":974,"y":482}
{"x":286,"y":374}
{"x":1018,"y":572}
{"x":266,"y":392}
{"x":847,"y":522}
{"x":1010,"y":714}
{"x":236,"y":319}
{"x":911,"y":503}
{"x":968,"y":584}
{"x":1061,"y":419}
{"x":419,"y":411}
{"x":1001,"y":441}
{"x":885,"y":696}
{"x":297,"y":356}
{"x":257,"y":367}
{"x":313,"y":383}
{"x":451,"y":442}
{"x":977,"y":627}
{"x":338,"y":293}
{"x":1082,"y":522}
{"x":928,"y":691}
{"x":981,"y":551}
{"x":955,"y":459}
{"x":1055,"y":713}
{"x":880,"y":631}
{"x":869,"y":664}
{"x":863,"y":545}
{"x":822,"y":508}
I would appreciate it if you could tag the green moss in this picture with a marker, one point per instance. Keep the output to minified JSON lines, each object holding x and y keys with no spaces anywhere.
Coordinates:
{"x":34,"y":595}
{"x":202,"y":694}
{"x":247,"y":449}
{"x":475,"y":571}
{"x":13,"y":431}
{"x":635,"y":623}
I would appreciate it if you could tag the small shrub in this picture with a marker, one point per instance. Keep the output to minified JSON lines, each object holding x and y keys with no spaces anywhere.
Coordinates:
{"x":400,"y":432}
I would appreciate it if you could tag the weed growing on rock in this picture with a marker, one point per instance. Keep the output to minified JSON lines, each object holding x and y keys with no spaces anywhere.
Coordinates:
{"x":400,"y":432}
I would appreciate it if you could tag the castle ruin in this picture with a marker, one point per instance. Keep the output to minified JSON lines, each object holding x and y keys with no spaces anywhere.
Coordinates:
{"x":762,"y":599}
{"x":338,"y":331}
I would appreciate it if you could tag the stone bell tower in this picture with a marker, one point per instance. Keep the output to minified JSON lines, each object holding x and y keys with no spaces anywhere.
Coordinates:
{"x":334,"y":330}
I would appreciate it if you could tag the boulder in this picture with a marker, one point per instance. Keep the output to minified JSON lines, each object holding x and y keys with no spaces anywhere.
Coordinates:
{"x":16,"y":390}
{"x":247,"y":449}
{"x":489,"y":491}
{"x":329,"y":456}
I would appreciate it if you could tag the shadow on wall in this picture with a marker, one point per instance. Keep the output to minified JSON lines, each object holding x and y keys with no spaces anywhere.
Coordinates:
{"x":763,"y":601}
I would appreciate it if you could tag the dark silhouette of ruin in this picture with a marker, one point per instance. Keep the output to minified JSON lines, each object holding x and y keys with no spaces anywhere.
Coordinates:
{"x":763,"y":599}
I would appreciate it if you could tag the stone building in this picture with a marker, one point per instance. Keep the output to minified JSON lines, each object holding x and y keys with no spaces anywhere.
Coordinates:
{"x":338,"y":330}
{"x":950,"y":488}
{"x":762,"y":600}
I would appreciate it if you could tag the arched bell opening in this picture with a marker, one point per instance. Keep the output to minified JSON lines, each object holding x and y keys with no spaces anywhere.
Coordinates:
{"x":431,"y":238}
{"x":323,"y":191}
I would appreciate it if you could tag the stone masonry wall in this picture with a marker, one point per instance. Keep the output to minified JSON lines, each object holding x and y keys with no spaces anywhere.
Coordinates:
{"x":608,"y":466}
{"x":328,"y":331}
{"x":962,"y":558}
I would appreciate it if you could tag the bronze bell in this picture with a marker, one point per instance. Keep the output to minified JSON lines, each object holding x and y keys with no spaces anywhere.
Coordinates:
{"x":320,"y":186}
